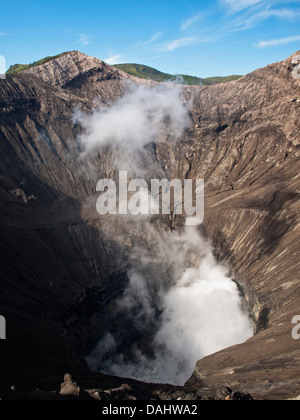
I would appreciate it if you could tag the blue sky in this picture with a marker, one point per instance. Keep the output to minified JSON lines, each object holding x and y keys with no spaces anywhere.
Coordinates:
{"x":201,"y":38}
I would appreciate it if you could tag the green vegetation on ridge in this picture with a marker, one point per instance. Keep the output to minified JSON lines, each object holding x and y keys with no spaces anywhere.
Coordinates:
{"x":145,"y":72}
{"x":17,"y":68}
{"x":138,"y":70}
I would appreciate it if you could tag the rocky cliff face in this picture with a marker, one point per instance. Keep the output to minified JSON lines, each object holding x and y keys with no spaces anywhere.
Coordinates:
{"x":56,"y":263}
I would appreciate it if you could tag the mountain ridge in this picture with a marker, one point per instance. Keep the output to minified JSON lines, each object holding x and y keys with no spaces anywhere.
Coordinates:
{"x":59,"y":274}
{"x":17,"y":68}
{"x":137,"y":70}
{"x":150,"y":73}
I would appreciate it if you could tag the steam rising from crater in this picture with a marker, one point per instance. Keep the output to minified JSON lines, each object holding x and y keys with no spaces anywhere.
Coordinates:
{"x":179,"y":304}
{"x":142,"y":116}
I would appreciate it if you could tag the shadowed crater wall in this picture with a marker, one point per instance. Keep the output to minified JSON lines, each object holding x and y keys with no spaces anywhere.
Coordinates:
{"x":56,"y":262}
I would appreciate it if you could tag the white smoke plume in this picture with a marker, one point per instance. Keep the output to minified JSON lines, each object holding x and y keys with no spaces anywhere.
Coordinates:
{"x":179,"y":304}
{"x":144,"y":115}
{"x":200,"y":310}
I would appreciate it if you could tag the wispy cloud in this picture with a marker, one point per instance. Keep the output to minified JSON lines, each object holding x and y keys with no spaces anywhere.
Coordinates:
{"x":115,"y":59}
{"x":235,"y":6}
{"x":280,"y":41}
{"x":249,"y":21}
{"x":154,"y":38}
{"x":84,"y":39}
{"x":191,"y":21}
{"x":150,"y":41}
{"x":180,"y":43}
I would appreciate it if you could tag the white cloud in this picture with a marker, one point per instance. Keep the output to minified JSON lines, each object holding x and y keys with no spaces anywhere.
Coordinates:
{"x":189,"y":22}
{"x":280,"y":41}
{"x":235,"y":6}
{"x":115,"y":59}
{"x":150,"y":41}
{"x":84,"y":39}
{"x":179,"y":43}
{"x":245,"y":23}
{"x":154,"y":38}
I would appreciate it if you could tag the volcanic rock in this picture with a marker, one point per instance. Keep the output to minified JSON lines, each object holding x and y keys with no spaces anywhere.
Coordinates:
{"x":55,"y":262}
